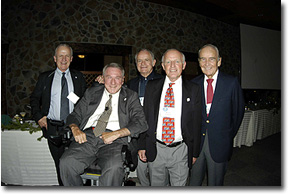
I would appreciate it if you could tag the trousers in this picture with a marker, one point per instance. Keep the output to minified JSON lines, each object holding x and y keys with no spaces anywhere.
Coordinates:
{"x":170,"y":166}
{"x":80,"y":156}
{"x":205,"y":163}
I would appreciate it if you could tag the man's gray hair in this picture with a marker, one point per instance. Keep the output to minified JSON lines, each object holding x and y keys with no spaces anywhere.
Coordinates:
{"x":116,"y":65}
{"x":210,"y":45}
{"x":65,"y":45}
{"x":183,"y":56}
{"x":152,"y":54}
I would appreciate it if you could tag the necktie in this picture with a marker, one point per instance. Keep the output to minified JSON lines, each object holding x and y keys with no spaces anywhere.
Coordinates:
{"x":168,"y":130}
{"x":209,"y":91}
{"x":64,"y":110}
{"x":103,"y":120}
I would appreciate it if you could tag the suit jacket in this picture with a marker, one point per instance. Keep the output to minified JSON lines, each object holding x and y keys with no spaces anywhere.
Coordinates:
{"x":130,"y":112}
{"x":133,"y":84}
{"x":225,"y":116}
{"x":40,"y":98}
{"x":190,"y":118}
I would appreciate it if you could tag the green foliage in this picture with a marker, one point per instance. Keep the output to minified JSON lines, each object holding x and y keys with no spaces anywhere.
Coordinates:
{"x":23,"y":127}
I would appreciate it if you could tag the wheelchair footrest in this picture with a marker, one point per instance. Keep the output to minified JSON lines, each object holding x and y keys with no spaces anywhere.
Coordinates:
{"x":91,"y":173}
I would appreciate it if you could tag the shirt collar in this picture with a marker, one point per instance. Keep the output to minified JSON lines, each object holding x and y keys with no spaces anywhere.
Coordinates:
{"x":178,"y":82}
{"x":214,"y":77}
{"x":107,"y":93}
{"x":149,"y":77}
{"x":60,"y":72}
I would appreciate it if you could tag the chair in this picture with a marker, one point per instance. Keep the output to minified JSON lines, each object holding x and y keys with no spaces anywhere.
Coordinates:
{"x":93,"y":172}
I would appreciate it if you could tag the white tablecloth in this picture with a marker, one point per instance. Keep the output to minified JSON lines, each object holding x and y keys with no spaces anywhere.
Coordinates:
{"x":26,"y":161}
{"x":257,"y":125}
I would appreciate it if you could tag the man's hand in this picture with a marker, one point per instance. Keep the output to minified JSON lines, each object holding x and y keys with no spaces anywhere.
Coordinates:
{"x":142,"y":155}
{"x":100,"y":79}
{"x":109,"y":137}
{"x":43,"y":122}
{"x":79,"y":135}
{"x":194,"y":160}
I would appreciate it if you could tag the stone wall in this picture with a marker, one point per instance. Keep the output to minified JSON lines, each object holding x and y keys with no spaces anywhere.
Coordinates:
{"x":33,"y":28}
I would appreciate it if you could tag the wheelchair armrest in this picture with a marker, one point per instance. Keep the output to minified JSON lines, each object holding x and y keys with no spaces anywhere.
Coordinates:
{"x":127,"y":158}
{"x":124,"y":152}
{"x":67,"y":133}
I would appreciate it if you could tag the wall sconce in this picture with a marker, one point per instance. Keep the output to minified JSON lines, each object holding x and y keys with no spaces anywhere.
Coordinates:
{"x":81,"y":56}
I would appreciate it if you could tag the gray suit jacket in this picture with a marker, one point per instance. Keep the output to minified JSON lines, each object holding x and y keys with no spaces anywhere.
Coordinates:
{"x":131,"y":114}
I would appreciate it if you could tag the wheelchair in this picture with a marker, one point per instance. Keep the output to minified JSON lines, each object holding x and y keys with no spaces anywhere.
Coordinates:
{"x":93,"y":172}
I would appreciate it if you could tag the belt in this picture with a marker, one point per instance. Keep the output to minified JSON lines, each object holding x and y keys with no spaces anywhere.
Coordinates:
{"x":170,"y":145}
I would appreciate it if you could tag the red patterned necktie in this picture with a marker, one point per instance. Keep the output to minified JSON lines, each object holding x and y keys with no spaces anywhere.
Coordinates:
{"x":168,"y":130}
{"x":209,"y":92}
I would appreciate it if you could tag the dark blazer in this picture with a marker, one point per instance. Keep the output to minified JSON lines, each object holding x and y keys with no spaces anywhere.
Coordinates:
{"x":40,"y":98}
{"x":133,"y":84}
{"x":130,"y":111}
{"x":190,"y":118}
{"x":225,"y":115}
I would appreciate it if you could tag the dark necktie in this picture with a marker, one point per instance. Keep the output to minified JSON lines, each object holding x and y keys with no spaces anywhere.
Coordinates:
{"x":103,"y":120}
{"x":168,"y":129}
{"x":64,"y":110}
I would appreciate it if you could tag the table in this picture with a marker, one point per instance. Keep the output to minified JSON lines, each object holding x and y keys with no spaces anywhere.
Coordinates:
{"x":26,"y":161}
{"x":257,"y":125}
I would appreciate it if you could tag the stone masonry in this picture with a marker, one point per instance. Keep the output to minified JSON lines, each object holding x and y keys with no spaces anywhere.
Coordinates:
{"x":33,"y":28}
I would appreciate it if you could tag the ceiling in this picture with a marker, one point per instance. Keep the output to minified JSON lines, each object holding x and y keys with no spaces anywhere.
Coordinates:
{"x":261,"y":13}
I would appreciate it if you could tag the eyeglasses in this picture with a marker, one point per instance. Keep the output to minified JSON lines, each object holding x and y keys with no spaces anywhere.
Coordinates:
{"x":210,"y":59}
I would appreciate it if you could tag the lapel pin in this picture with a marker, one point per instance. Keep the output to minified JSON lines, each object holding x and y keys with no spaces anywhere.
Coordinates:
{"x":125,"y":99}
{"x":188,"y":99}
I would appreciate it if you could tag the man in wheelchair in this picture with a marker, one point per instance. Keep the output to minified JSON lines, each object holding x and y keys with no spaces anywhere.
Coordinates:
{"x":101,"y":123}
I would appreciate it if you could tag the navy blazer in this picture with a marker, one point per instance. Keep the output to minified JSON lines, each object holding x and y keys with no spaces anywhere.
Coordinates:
{"x":40,"y":97}
{"x":225,"y":116}
{"x":190,"y":118}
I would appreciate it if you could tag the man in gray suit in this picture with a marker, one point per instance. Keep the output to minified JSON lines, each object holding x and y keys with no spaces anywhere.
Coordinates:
{"x":126,"y":119}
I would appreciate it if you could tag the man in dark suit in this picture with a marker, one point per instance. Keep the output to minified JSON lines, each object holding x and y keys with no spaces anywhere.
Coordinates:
{"x":46,"y":98}
{"x":126,"y":119}
{"x":171,"y":149}
{"x":222,"y":114}
{"x":145,"y":63}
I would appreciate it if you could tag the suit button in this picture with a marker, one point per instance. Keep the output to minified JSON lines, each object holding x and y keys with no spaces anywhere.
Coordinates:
{"x":207,"y":121}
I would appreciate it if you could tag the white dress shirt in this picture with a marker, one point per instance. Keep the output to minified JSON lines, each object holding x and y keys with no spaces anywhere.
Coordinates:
{"x":113,"y":123}
{"x":208,"y":106}
{"x":176,"y":111}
